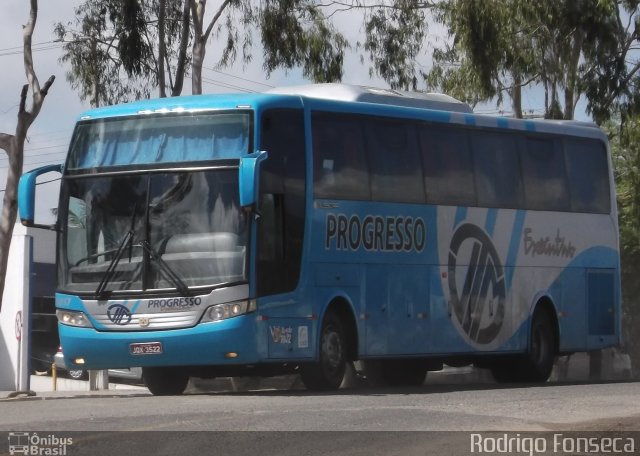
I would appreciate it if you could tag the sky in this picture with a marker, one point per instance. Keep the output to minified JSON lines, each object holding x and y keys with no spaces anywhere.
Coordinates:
{"x":49,"y":136}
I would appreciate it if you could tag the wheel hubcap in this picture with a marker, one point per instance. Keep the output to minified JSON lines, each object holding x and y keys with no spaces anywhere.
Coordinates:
{"x":332,"y":350}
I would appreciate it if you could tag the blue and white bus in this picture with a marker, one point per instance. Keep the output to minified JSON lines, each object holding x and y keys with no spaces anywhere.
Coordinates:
{"x":311,"y":227}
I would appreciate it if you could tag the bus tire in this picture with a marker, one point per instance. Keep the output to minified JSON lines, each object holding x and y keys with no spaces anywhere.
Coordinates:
{"x":397,"y":372}
{"x":328,"y":372}
{"x":536,"y":364}
{"x":165,"y":381}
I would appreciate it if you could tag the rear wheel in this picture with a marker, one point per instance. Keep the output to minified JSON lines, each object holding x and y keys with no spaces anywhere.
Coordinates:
{"x":328,"y":372}
{"x":536,"y":364}
{"x":165,"y":381}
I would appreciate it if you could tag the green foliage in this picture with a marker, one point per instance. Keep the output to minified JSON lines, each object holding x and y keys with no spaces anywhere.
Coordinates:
{"x":503,"y":45}
{"x":296,"y":33}
{"x":625,"y":150}
{"x":612,"y":84}
{"x":394,"y":37}
{"x":110,"y":47}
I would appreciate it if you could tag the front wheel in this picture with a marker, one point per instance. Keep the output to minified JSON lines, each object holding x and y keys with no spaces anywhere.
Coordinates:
{"x":328,"y":372}
{"x":165,"y":381}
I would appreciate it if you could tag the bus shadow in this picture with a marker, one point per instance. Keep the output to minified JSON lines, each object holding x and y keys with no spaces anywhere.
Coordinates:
{"x":427,"y":389}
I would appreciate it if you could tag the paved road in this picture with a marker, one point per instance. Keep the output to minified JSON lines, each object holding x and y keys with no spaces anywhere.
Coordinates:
{"x":469,"y":408}
{"x":432,"y":407}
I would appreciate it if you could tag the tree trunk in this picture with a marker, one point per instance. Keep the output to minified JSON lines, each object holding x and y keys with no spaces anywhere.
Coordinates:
{"x":10,"y":204}
{"x":196,"y":66}
{"x":182,"y":54}
{"x":572,"y":77}
{"x":198,"y":8}
{"x":516,"y":97}
{"x":13,"y":145}
{"x":162,"y":47}
{"x":200,"y":39}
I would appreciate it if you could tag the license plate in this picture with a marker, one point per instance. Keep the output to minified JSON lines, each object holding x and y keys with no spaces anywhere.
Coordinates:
{"x":147,"y":348}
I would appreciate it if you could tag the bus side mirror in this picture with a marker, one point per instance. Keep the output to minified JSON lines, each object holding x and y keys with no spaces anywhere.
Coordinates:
{"x":27,"y":194}
{"x":249,"y":173}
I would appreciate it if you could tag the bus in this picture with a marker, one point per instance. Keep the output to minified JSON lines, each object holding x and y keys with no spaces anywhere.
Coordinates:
{"x":309,"y":228}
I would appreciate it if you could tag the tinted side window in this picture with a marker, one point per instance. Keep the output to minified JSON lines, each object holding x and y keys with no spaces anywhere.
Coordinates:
{"x":340,"y":169}
{"x":448,"y":169}
{"x":588,"y":171}
{"x":395,"y":166}
{"x":282,"y":202}
{"x":544,"y":176}
{"x":497,"y":170}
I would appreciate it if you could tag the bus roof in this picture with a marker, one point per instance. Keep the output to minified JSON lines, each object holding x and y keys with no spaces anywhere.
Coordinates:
{"x":348,"y":98}
{"x":347,"y":92}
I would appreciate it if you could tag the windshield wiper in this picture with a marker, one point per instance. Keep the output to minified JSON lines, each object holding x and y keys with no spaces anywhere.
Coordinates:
{"x":128,"y":239}
{"x":165,"y":268}
{"x":108,"y":275}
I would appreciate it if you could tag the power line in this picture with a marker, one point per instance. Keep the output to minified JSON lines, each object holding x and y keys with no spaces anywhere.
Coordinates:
{"x":22,"y":46}
{"x":48,"y":48}
{"x":238,"y":77}
{"x":225,"y":85}
{"x":40,"y":183}
{"x":26,"y":157}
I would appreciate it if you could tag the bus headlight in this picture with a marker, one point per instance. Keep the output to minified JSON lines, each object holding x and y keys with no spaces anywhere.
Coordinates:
{"x":228,"y":310}
{"x":72,"y":318}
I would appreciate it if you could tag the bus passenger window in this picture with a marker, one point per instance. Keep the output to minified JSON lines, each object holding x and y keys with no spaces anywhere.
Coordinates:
{"x":396,"y":170}
{"x":497,"y":170}
{"x":588,"y":176}
{"x":448,"y":170}
{"x":544,"y":176}
{"x":340,"y":169}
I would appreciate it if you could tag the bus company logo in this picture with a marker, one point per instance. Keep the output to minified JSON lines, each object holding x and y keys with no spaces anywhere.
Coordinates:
{"x":119,"y":314}
{"x":479,"y":300}
{"x":27,"y":443}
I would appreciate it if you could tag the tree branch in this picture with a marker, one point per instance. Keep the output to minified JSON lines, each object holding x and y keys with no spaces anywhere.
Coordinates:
{"x":5,"y":142}
{"x":47,"y":85}
{"x":23,"y":100}
{"x":27,"y":33}
{"x":206,"y":34}
{"x":197,"y":24}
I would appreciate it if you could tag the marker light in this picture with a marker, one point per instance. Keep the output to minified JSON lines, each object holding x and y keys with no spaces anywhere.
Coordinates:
{"x":78,"y":361}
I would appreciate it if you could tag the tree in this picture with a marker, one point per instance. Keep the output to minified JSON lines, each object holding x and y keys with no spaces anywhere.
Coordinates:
{"x":113,"y":54}
{"x":395,"y":34}
{"x":625,"y":150}
{"x":502,"y":46}
{"x":119,"y":50}
{"x":614,"y":85}
{"x":13,"y":145}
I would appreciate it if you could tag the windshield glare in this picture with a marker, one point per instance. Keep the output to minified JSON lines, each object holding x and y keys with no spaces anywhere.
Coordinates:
{"x":159,"y":139}
{"x":191,"y":220}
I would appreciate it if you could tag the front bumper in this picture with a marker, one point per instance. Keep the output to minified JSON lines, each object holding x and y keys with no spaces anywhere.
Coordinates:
{"x":205,"y":344}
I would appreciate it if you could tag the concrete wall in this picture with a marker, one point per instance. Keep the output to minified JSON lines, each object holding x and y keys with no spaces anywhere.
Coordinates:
{"x":27,"y":245}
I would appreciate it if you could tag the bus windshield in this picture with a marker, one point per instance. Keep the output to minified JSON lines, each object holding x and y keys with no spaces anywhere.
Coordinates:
{"x":159,"y":139}
{"x":155,"y":230}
